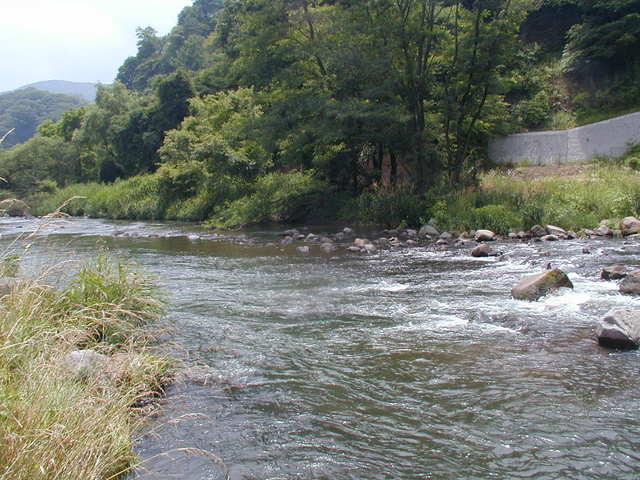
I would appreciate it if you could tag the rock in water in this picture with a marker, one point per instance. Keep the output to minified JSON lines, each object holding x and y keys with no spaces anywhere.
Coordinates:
{"x":553,"y":230}
{"x":614,"y":272}
{"x":631,"y":283}
{"x":428,"y":230}
{"x":620,"y":328}
{"x":630,"y":226}
{"x":482,"y":250}
{"x":533,"y":287}
{"x":538,"y":231}
{"x":485,"y":236}
{"x":15,"y":208}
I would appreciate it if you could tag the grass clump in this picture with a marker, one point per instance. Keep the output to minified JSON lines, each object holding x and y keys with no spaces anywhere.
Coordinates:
{"x":55,"y":424}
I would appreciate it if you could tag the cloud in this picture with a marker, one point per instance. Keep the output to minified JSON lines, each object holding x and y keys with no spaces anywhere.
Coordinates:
{"x":75,"y":40}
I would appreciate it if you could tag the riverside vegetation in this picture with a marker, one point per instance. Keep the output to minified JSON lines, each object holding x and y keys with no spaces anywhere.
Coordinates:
{"x":60,"y":420}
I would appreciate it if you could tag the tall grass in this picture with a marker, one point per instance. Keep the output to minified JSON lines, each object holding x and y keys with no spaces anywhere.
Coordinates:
{"x":507,"y":201}
{"x":55,"y":425}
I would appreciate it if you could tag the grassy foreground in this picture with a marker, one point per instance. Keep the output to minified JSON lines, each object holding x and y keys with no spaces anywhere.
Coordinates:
{"x":56,"y":423}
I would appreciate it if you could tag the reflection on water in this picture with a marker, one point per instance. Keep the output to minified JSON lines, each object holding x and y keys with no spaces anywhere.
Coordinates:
{"x":403,"y":364}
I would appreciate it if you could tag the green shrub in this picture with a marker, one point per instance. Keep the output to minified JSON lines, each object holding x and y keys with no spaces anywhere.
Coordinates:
{"x":277,"y":197}
{"x":387,"y":206}
{"x":498,"y":218}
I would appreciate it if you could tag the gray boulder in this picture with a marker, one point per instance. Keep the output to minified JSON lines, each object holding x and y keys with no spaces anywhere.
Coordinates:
{"x":482,"y":250}
{"x":553,"y":230}
{"x":549,"y":238}
{"x":631,"y":283}
{"x":603,"y":231}
{"x":15,"y":208}
{"x":484,"y":236}
{"x":286,"y":241}
{"x":630,"y":226}
{"x":538,"y":231}
{"x":614,"y":272}
{"x":620,"y":328}
{"x":532,"y":287}
{"x":428,"y":230}
{"x":361,"y":242}
{"x":303,"y":249}
{"x":327,"y":247}
{"x":83,"y":364}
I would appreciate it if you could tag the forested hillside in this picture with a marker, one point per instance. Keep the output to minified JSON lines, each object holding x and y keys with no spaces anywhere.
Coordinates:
{"x":25,"y":109}
{"x":257,"y":110}
{"x":79,"y":89}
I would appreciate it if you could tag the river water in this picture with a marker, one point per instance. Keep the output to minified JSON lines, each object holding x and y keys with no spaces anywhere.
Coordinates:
{"x":402,"y":364}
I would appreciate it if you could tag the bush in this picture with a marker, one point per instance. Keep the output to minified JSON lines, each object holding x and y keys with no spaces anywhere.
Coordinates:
{"x":390,"y":207}
{"x":277,"y":197}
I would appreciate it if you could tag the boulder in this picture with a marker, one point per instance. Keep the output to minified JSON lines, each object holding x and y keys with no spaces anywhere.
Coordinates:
{"x":291,"y":233}
{"x":538,"y":231}
{"x":620,"y":328}
{"x":303,"y":249}
{"x":428,"y":230}
{"x":409,"y":232}
{"x":629,"y":226}
{"x":312,"y":237}
{"x":361,"y":242}
{"x":482,"y":250}
{"x":327,"y":247}
{"x":370,"y":248}
{"x":353,"y":248}
{"x":347,"y":232}
{"x":83,"y":364}
{"x":532,"y":287}
{"x":286,"y":241}
{"x":603,"y":231}
{"x":411,"y":243}
{"x":7,"y":285}
{"x":446,"y":236}
{"x":15,"y":208}
{"x":614,"y":272}
{"x":484,"y":236}
{"x":553,"y":230}
{"x":549,"y":238}
{"x":631,"y":283}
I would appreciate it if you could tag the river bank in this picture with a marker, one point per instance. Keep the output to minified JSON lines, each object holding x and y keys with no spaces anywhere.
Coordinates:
{"x":78,"y":373}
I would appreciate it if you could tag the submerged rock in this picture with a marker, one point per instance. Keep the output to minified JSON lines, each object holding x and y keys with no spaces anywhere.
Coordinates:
{"x":327,"y":247}
{"x":532,"y":287}
{"x":630,"y":226}
{"x":620,"y":328}
{"x":15,"y":208}
{"x":631,"y":283}
{"x":614,"y":272}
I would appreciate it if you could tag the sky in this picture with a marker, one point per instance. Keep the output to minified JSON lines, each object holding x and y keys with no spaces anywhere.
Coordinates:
{"x":76,"y":40}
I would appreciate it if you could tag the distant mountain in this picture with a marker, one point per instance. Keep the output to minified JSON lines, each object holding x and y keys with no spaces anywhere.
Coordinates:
{"x":80,"y":89}
{"x":26,"y":108}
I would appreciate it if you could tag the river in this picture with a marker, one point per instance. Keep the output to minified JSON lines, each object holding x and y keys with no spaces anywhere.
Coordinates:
{"x":402,"y":364}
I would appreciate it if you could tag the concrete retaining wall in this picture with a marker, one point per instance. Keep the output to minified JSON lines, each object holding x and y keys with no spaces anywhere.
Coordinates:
{"x":610,"y":138}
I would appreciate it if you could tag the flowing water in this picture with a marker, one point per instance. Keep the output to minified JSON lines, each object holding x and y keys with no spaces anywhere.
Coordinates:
{"x":402,"y":364}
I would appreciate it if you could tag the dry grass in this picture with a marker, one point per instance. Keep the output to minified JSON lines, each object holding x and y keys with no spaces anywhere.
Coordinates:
{"x":55,"y":425}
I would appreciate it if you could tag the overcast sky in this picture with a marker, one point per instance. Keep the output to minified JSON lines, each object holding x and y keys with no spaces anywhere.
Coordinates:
{"x":77,"y":40}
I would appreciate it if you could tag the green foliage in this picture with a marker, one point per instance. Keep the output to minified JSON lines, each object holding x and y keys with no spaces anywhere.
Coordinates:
{"x":27,"y":108}
{"x":277,"y":197}
{"x":388,"y":207}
